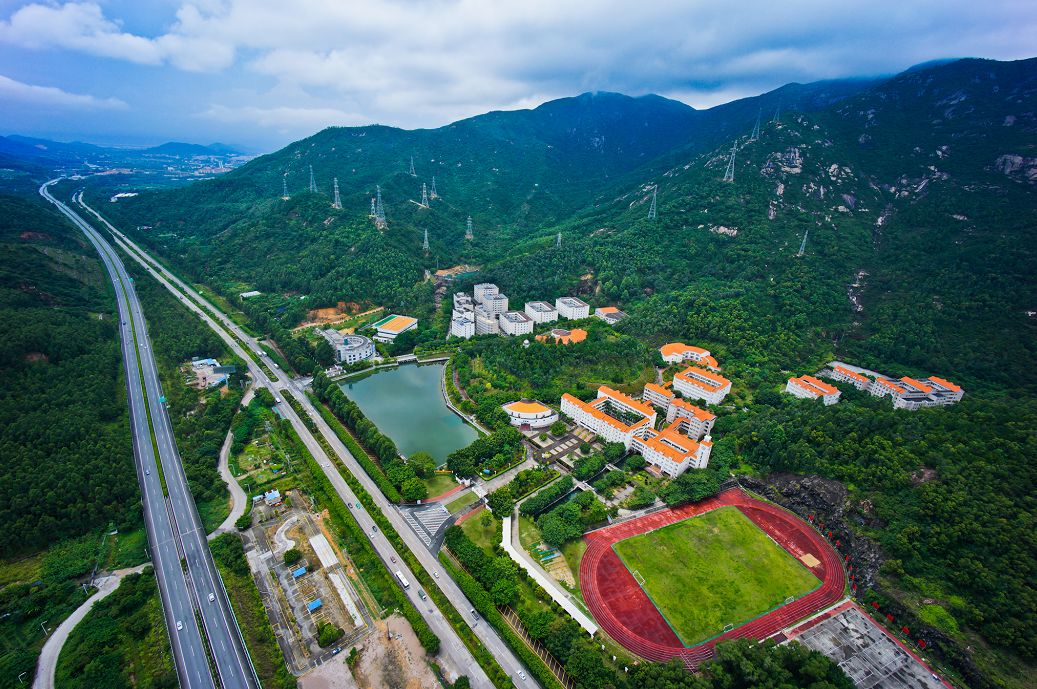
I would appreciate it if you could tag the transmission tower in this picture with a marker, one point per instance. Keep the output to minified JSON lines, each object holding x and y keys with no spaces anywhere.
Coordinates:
{"x":379,"y":209}
{"x":284,"y":187}
{"x":651,"y":210}
{"x":337,"y":203}
{"x":729,"y":175}
{"x":756,"y":129}
{"x":432,"y":194}
{"x":372,"y":208}
{"x":777,"y":113}
{"x":412,"y":173}
{"x":558,"y":241}
{"x":803,"y":244}
{"x":468,"y":230}
{"x":313,"y":182}
{"x":424,"y":196}
{"x":424,"y":244}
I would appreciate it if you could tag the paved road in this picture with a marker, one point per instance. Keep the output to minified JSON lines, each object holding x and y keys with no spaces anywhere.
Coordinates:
{"x":452,"y":647}
{"x":48,"y":662}
{"x":238,"y":499}
{"x":189,"y":655}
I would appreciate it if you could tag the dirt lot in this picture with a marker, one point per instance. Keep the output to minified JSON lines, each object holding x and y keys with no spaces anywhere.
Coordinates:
{"x":398,"y":663}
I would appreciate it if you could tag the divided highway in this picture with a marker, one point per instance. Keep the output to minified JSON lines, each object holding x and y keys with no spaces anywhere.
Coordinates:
{"x":189,"y":584}
{"x":234,"y":336}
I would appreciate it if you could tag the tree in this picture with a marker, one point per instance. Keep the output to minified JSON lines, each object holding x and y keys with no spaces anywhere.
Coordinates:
{"x":291,"y":556}
{"x":243,"y":522}
{"x":423,"y":464}
{"x":328,"y":634}
{"x":324,"y":354}
{"x":414,"y":489}
{"x":585,"y":448}
{"x":558,"y":428}
{"x":635,"y":463}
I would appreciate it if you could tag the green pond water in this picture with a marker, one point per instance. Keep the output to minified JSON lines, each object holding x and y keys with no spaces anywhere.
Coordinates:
{"x":406,"y":404}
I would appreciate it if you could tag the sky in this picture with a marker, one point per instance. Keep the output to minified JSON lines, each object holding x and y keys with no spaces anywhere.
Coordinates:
{"x":262,"y":73}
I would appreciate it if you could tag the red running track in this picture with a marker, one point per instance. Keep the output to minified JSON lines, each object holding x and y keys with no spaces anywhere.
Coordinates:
{"x":627,"y":614}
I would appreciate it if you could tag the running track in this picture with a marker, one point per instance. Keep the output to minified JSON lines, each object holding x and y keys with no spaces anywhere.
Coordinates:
{"x":626,"y":613}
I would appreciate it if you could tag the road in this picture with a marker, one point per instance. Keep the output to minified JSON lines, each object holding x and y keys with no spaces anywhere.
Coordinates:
{"x":452,"y":647}
{"x":189,"y":655}
{"x":238,"y":499}
{"x":47,"y":665}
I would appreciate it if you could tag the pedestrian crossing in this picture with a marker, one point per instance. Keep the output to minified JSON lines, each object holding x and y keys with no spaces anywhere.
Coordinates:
{"x":426,"y":521}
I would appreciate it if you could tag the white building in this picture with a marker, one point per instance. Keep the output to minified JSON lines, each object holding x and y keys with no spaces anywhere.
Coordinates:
{"x":614,"y":416}
{"x":348,"y":349}
{"x":658,"y":395}
{"x":809,"y":387}
{"x":678,"y":352}
{"x":387,"y":329}
{"x":572,"y":308}
{"x":463,"y":302}
{"x":857,"y":380}
{"x":671,"y":451}
{"x":515,"y":323}
{"x":249,"y":295}
{"x":483,"y":290}
{"x":699,"y":383}
{"x":485,"y":322}
{"x":541,"y":311}
{"x":699,"y":421}
{"x":931,"y":392}
{"x":495,"y":303}
{"x":462,"y":325}
{"x":528,"y":415}
{"x":609,"y":314}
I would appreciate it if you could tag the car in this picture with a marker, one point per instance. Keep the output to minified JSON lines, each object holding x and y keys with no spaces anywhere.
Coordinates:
{"x":522,"y":674}
{"x":335,"y":652}
{"x":421,"y":594}
{"x":393,"y":559}
{"x":147,"y":472}
{"x":349,"y":505}
{"x":212,"y":597}
{"x":374,"y":529}
{"x":179,"y":625}
{"x":435,"y":574}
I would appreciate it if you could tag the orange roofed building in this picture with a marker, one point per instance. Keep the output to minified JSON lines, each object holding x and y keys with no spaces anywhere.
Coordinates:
{"x":699,"y":421}
{"x":811,"y":388}
{"x":614,"y":416}
{"x":678,"y":352}
{"x":702,"y":384}
{"x":563,"y":336}
{"x":526,"y":414}
{"x":672,"y":451}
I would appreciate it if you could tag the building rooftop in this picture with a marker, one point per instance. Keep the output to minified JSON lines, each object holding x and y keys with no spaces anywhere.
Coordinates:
{"x":705,"y":379}
{"x":524,"y":407}
{"x":541,"y":306}
{"x":565,"y":336}
{"x":395,"y":324}
{"x":853,"y":375}
{"x":515,"y":317}
{"x":697,"y":412}
{"x":622,"y":398}
{"x":674,"y":348}
{"x":659,"y":389}
{"x":597,"y":413}
{"x":573,"y":302}
{"x":944,"y":384}
{"x":814,"y":385}
{"x":916,"y":384}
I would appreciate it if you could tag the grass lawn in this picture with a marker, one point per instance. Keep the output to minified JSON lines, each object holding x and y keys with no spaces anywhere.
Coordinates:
{"x":483,"y":536}
{"x":439,"y":483}
{"x":529,"y":532}
{"x":713,"y":570}
{"x":462,"y":502}
{"x":573,"y":552}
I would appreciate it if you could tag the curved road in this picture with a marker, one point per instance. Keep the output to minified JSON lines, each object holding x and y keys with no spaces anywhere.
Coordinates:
{"x":238,"y":499}
{"x":233,"y":335}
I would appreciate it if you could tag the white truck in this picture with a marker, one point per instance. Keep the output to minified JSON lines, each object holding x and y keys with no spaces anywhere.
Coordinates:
{"x":403,"y":580}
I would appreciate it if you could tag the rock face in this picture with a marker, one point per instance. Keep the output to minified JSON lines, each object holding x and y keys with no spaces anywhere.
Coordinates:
{"x":1016,"y":165}
{"x":829,"y":502}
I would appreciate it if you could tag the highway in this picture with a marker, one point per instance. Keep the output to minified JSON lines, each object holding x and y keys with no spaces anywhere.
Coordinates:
{"x":189,"y":655}
{"x":452,"y":647}
{"x":205,"y":592}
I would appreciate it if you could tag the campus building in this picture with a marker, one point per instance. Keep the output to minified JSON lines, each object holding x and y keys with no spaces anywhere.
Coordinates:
{"x":527,"y":415}
{"x":483,"y":290}
{"x":387,"y":329}
{"x":485,"y":322}
{"x":495,"y":304}
{"x":349,"y":349}
{"x":515,"y":323}
{"x":541,"y":311}
{"x":572,"y":308}
{"x":463,"y":302}
{"x":698,"y":420}
{"x":678,"y":352}
{"x":905,"y":393}
{"x":810,"y":388}
{"x":845,"y":375}
{"x":609,"y":314}
{"x":701,"y":384}
{"x":659,"y":395}
{"x":462,"y":324}
{"x":563,"y":336}
{"x":672,"y":451}
{"x":614,"y":416}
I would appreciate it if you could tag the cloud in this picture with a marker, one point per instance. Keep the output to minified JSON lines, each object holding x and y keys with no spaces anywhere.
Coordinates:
{"x":53,"y":97}
{"x":283,"y":118}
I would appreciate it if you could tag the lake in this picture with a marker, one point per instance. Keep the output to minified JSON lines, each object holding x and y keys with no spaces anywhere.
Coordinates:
{"x":406,"y":404}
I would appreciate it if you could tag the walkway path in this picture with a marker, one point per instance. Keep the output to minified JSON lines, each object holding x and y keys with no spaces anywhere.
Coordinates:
{"x":237,"y":496}
{"x":48,"y":662}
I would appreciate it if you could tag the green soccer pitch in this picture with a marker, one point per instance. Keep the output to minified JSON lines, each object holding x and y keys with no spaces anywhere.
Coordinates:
{"x":711,"y":571}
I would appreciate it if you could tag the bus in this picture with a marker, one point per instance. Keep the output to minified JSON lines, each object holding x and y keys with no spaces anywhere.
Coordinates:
{"x":403,"y":580}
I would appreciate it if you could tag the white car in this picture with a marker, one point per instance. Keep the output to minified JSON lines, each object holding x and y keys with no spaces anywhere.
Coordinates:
{"x":179,"y":625}
{"x":212,"y":597}
{"x":522,"y":674}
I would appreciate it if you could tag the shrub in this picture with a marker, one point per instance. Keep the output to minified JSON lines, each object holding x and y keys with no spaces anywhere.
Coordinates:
{"x":291,"y":556}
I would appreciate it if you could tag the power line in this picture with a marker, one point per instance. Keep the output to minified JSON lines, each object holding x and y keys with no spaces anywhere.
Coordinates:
{"x":424,"y":244}
{"x":651,"y":210}
{"x":803,"y":244}
{"x":412,"y":173}
{"x":284,"y":187}
{"x":729,"y":175}
{"x":756,"y":129}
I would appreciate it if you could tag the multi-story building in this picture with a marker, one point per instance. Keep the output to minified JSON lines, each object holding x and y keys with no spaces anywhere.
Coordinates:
{"x":563,"y":336}
{"x":348,"y":349}
{"x":614,"y":416}
{"x":485,"y":322}
{"x":809,"y":387}
{"x":699,"y":421}
{"x":857,"y":380}
{"x":463,"y":302}
{"x":463,"y":324}
{"x":515,"y":323}
{"x":483,"y":290}
{"x":678,"y":352}
{"x":659,"y":395}
{"x":572,"y":308}
{"x":528,"y":415}
{"x":671,"y":451}
{"x":541,"y":311}
{"x":699,"y":383}
{"x":495,"y":303}
{"x":931,"y":392}
{"x":387,"y":329}
{"x":609,"y":314}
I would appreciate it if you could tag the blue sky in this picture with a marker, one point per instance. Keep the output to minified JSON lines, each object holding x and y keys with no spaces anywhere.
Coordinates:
{"x":261,"y":73}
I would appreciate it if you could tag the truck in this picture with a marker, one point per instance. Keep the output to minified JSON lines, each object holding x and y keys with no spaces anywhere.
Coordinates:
{"x":403,"y":580}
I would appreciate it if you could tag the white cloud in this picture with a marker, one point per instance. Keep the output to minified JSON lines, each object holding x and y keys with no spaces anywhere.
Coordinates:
{"x":53,"y":97}
{"x":285,"y":119}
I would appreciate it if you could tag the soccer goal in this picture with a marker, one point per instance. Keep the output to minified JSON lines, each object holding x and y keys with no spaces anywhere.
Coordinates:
{"x":638,"y":578}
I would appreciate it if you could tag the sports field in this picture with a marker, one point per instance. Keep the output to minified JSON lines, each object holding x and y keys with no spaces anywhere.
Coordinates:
{"x":711,"y":571}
